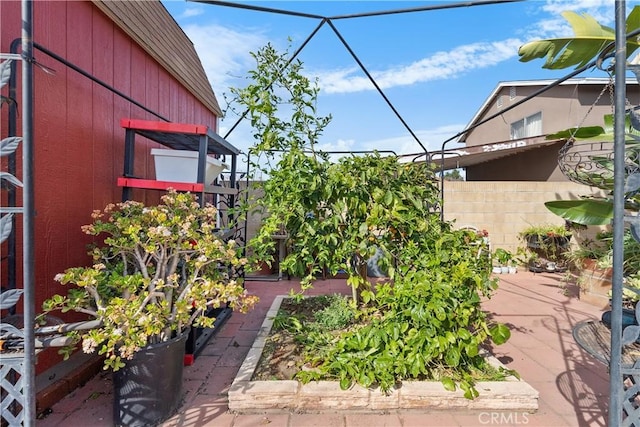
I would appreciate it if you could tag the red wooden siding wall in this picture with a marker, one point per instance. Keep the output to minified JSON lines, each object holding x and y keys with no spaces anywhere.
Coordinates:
{"x":79,"y":145}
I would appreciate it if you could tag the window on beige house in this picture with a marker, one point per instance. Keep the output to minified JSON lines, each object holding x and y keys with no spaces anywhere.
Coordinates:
{"x":527,"y":127}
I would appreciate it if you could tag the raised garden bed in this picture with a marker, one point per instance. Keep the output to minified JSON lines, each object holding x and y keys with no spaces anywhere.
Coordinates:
{"x":249,"y":396}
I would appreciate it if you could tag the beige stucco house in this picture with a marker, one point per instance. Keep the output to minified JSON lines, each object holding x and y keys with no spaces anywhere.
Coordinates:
{"x":512,"y":145}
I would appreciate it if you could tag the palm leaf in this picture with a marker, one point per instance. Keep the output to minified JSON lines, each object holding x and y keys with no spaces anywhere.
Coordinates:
{"x":589,"y":39}
{"x":583,"y":211}
{"x":597,"y":133}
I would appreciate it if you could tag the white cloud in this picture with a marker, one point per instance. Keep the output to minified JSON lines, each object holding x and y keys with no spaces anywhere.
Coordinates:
{"x":339,"y":145}
{"x":190,"y":12}
{"x":225,"y":52}
{"x":556,"y":26}
{"x":441,"y":65}
{"x":432,"y":139}
{"x":465,"y":58}
{"x":601,"y":10}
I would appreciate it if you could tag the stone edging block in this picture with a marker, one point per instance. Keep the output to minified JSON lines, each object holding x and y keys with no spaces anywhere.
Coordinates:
{"x":248,"y":396}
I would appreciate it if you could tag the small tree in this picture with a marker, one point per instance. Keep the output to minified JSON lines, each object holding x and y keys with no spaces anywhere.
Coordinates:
{"x":339,"y":214}
{"x":453,"y":175}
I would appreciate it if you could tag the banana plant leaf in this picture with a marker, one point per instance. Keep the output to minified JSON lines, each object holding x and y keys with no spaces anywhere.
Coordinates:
{"x":583,"y":211}
{"x":578,"y":133}
{"x":598,"y":133}
{"x":589,"y":40}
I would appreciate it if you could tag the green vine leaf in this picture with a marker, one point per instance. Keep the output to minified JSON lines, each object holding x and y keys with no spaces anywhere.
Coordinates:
{"x":500,"y":333}
{"x":448,"y":384}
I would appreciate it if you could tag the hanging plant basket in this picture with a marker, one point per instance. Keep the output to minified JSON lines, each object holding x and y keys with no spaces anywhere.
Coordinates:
{"x":587,"y":163}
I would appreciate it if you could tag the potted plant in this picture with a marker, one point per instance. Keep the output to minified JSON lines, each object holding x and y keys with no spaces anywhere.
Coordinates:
{"x":546,"y":236}
{"x":159,"y":272}
{"x":549,"y":242}
{"x":504,"y":258}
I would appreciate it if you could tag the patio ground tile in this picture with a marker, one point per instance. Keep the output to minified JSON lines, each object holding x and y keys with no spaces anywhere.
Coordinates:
{"x":428,"y":419}
{"x":542,"y":418}
{"x":573,"y":386}
{"x":491,"y":418}
{"x":244,"y":337}
{"x":220,"y":381}
{"x":202,"y":369}
{"x":217,"y":346}
{"x":317,"y":420}
{"x":368,"y":420}
{"x":202,"y":413}
{"x":575,"y":397}
{"x":257,"y":420}
{"x":589,"y":418}
{"x":233,"y":357}
{"x":228,"y":328}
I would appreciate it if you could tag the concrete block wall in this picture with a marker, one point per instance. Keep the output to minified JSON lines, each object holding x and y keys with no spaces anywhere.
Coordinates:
{"x":505,"y":208}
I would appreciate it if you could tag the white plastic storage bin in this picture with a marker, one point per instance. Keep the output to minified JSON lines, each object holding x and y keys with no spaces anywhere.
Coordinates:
{"x":182,"y":166}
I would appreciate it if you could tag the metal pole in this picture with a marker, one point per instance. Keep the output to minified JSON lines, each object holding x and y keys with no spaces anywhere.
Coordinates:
{"x":616,"y":391}
{"x":29,"y":380}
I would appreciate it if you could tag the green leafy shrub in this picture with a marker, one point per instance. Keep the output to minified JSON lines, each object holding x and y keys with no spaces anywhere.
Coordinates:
{"x":337,"y":315}
{"x":159,"y":271}
{"x":426,"y":322}
{"x":429,"y":325}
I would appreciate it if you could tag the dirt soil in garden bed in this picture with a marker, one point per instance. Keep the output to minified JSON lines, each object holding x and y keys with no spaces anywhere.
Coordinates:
{"x":282,"y":356}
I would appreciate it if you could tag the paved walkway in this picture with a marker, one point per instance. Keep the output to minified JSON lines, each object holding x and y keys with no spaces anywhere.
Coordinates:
{"x":539,"y":309}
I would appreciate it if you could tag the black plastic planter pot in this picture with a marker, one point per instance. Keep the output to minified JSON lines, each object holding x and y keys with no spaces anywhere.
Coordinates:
{"x":535,"y":241}
{"x":148,"y":389}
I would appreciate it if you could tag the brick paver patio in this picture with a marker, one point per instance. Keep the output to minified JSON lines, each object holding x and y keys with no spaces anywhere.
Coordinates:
{"x":539,"y":308}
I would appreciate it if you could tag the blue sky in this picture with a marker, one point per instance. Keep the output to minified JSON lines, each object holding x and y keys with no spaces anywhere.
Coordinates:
{"x":436,"y":67}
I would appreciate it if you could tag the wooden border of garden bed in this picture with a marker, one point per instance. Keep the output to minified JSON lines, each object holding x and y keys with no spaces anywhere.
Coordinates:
{"x":247,"y":396}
